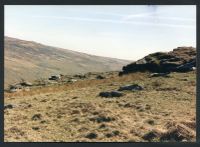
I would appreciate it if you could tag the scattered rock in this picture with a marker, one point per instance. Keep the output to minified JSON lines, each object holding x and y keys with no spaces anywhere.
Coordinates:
{"x":91,"y":135}
{"x":29,"y":106}
{"x":101,"y":119}
{"x":25,"y":105}
{"x":71,"y":80}
{"x":43,"y":121}
{"x":102,"y":126}
{"x":100,"y":77}
{"x":108,"y":135}
{"x":95,"y":113}
{"x":35,"y":128}
{"x":111,"y":94}
{"x":151,"y":122}
{"x":15,"y":88}
{"x":114,"y":133}
{"x":37,"y":117}
{"x":9,"y":106}
{"x":26,"y":83}
{"x":134,"y":87}
{"x":80,"y":76}
{"x":151,"y":135}
{"x":160,"y":74}
{"x":55,"y":77}
{"x":75,"y":97}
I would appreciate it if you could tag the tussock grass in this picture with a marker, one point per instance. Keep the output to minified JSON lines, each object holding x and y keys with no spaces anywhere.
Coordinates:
{"x":74,"y":112}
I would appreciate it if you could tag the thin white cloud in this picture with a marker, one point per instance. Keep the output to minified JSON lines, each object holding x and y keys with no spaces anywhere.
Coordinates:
{"x":159,"y":17}
{"x":118,"y":21}
{"x":98,"y":12}
{"x":145,"y":14}
{"x":128,"y":17}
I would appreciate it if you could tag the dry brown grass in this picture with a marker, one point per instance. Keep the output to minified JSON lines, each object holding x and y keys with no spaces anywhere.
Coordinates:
{"x":75,"y":112}
{"x":78,"y":84}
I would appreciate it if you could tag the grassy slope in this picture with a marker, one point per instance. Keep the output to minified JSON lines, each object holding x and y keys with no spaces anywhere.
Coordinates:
{"x":68,"y":112}
{"x":31,"y":60}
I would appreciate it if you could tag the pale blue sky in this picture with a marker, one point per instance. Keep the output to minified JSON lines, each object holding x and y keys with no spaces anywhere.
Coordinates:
{"x":126,"y":32}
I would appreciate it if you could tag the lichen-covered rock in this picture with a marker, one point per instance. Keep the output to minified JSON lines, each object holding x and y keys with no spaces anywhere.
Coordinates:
{"x":181,"y":59}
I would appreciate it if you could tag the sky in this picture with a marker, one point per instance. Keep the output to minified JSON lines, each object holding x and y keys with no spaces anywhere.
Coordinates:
{"x":119,"y":31}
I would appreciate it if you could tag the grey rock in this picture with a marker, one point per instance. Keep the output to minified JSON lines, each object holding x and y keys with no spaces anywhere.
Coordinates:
{"x":134,"y":87}
{"x":194,"y":68}
{"x":9,"y":106}
{"x":55,"y":77}
{"x":160,"y":74}
{"x":181,"y":59}
{"x":26,"y":84}
{"x":80,"y":76}
{"x":15,"y":88}
{"x":91,"y":135}
{"x":187,"y":67}
{"x":111,"y":94}
{"x":36,"y":117}
{"x":72,"y":80}
{"x":100,"y":77}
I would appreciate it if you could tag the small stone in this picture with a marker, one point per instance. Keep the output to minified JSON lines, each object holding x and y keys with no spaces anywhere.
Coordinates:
{"x":134,"y":87}
{"x":102,"y":126}
{"x":111,"y":94}
{"x":36,"y":117}
{"x":91,"y":135}
{"x":35,"y":128}
{"x":100,"y":77}
{"x":9,"y":106}
{"x":116,"y":132}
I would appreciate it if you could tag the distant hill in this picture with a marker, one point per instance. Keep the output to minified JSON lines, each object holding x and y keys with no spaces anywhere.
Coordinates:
{"x":31,"y":60}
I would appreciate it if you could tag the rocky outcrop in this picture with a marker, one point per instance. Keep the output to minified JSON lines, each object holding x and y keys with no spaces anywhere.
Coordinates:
{"x":181,"y":59}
